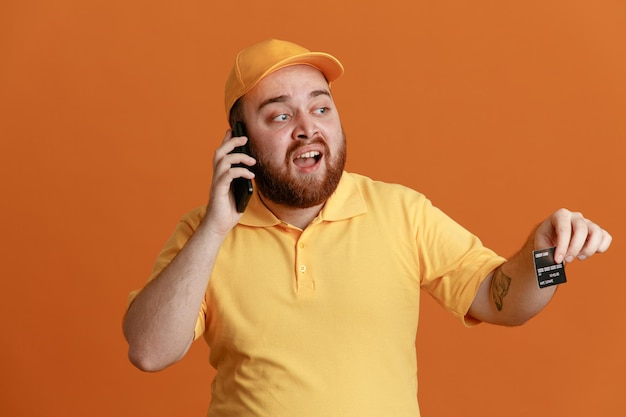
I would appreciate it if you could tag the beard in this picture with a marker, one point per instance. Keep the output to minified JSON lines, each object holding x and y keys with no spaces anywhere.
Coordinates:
{"x":278,"y":184}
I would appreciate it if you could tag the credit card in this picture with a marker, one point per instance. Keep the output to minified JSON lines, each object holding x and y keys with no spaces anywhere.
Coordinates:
{"x":547,"y":271}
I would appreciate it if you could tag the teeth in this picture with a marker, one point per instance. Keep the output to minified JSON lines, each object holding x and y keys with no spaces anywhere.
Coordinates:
{"x":311,"y":154}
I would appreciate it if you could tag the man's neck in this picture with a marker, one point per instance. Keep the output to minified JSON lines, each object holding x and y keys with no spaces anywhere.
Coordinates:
{"x":299,"y":217}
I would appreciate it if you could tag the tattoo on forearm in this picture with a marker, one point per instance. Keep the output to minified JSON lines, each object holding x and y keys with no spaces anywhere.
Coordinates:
{"x":499,"y":287}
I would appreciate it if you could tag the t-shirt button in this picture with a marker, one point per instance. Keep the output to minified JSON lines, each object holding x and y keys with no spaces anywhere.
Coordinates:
{"x":302,"y":268}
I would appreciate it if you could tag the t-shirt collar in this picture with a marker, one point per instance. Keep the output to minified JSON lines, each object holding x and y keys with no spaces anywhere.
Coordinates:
{"x":346,"y":202}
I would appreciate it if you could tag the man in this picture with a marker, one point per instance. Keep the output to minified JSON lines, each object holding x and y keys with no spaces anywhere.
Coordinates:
{"x":309,"y":300}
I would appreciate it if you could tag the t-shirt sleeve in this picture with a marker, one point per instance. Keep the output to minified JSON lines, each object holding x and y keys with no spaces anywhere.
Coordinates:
{"x":453,"y":261}
{"x":184,"y":230}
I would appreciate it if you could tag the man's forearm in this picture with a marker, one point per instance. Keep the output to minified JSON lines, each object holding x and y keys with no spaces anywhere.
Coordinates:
{"x":159,"y":324}
{"x":510,"y":294}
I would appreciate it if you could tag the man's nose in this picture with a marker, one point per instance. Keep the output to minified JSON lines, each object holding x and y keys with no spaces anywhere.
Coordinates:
{"x":305,"y":127}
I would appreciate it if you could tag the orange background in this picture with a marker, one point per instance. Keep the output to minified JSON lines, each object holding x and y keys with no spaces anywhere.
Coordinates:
{"x":500,"y":112}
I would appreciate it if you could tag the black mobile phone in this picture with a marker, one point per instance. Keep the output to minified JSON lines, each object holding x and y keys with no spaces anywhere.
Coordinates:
{"x":241,"y":187}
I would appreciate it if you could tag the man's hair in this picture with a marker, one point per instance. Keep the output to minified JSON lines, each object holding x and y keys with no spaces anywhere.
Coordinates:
{"x":236,"y":113}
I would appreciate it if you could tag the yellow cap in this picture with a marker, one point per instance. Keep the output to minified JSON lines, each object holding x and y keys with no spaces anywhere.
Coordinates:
{"x":258,"y":61}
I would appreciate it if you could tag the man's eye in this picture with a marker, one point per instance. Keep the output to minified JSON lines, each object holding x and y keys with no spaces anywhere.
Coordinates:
{"x":281,"y":118}
{"x":321,"y":110}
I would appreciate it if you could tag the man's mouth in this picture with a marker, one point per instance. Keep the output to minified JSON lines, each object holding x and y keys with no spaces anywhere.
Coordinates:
{"x":307,"y":159}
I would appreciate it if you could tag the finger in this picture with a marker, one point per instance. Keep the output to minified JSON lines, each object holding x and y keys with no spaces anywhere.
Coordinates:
{"x":228,"y":135}
{"x":227,"y":146}
{"x":219,"y":153}
{"x":579,"y":235}
{"x":229,"y":166}
{"x":593,"y":242}
{"x":562,"y":228}
{"x":606,"y":241}
{"x":234,"y":165}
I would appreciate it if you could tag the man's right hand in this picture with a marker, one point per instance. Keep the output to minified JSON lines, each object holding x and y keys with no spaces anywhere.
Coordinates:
{"x":222,"y":214}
